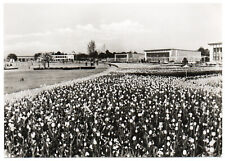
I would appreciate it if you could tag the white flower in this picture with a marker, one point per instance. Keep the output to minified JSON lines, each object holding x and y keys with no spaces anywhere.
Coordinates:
{"x":140,"y":114}
{"x":150,"y":132}
{"x":191,"y":128}
{"x":212,"y":142}
{"x":184,"y":152}
{"x":94,"y":129}
{"x":98,"y":133}
{"x":67,"y":124}
{"x":47,"y":139}
{"x":168,"y":138}
{"x":168,"y":144}
{"x":32,"y":134}
{"x":115,"y":147}
{"x":94,"y":142}
{"x":160,"y":153}
{"x":134,"y":138}
{"x":204,"y":132}
{"x":19,"y":135}
{"x":53,"y":124}
{"x":213,"y":133}
{"x":110,"y":143}
{"x":164,"y":131}
{"x":211,"y":150}
{"x":191,"y":140}
{"x":86,"y":154}
{"x":77,"y":130}
{"x":12,"y":128}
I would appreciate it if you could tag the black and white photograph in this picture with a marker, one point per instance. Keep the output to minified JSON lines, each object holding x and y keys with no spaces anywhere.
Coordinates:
{"x":112,"y":79}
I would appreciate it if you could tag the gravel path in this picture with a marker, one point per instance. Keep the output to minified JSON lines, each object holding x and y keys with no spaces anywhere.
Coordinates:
{"x":10,"y":98}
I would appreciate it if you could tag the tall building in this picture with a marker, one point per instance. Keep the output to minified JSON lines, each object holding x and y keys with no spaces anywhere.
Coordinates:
{"x":215,"y":52}
{"x":171,"y":55}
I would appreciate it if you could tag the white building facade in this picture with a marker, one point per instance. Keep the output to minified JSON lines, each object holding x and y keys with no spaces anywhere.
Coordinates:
{"x":172,"y":55}
{"x":215,"y":52}
{"x":128,"y":57}
{"x":61,"y":57}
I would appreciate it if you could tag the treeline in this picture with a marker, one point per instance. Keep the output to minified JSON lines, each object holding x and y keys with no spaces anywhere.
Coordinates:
{"x":84,"y":56}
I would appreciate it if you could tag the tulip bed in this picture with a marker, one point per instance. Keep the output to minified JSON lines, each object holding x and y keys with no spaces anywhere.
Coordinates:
{"x":117,"y":115}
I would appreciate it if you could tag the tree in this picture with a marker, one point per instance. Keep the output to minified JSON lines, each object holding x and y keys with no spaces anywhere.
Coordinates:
{"x":46,"y":58}
{"x":204,"y":54}
{"x":36,"y":56}
{"x":185,"y":61}
{"x":109,"y":54}
{"x":91,"y":49}
{"x":102,"y":55}
{"x":12,"y":56}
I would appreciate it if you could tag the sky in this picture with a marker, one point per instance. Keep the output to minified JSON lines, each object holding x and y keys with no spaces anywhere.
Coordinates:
{"x":33,"y":28}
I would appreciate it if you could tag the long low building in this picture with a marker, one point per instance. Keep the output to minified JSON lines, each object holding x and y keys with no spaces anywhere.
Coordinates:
{"x":128,"y":57}
{"x":171,"y":55}
{"x":62,"y":57}
{"x":25,"y":58}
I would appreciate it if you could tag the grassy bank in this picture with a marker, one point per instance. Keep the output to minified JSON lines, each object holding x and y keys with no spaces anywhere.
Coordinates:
{"x":22,"y":80}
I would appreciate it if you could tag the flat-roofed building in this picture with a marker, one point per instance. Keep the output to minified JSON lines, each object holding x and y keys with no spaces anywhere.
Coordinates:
{"x":62,"y":57}
{"x":215,"y":52}
{"x":171,"y":55}
{"x":128,"y":57}
{"x":25,"y":58}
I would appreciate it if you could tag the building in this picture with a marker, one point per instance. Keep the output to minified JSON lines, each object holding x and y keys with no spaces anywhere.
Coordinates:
{"x":62,"y":57}
{"x":215,"y":52}
{"x":171,"y":55}
{"x":25,"y":58}
{"x":128,"y":57}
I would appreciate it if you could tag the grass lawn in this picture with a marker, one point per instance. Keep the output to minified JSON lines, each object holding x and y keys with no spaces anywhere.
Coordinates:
{"x":34,"y":79}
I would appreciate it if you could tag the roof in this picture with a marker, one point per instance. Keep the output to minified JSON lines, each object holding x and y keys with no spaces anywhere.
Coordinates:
{"x":127,"y":53}
{"x":25,"y":56}
{"x":167,"y":50}
{"x":215,"y":43}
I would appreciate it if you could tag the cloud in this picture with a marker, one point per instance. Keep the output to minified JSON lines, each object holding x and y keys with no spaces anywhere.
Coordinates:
{"x":18,"y":36}
{"x":126,"y":26}
{"x":117,"y":35}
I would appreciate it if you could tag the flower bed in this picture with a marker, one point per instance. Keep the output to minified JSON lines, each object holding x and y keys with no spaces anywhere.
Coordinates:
{"x":116,"y":115}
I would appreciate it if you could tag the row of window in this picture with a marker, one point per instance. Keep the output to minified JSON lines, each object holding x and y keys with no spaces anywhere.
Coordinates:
{"x":217,"y":49}
{"x":60,"y":56}
{"x":158,"y":54}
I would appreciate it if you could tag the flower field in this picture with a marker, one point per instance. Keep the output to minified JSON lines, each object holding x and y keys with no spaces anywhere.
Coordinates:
{"x":118,"y":115}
